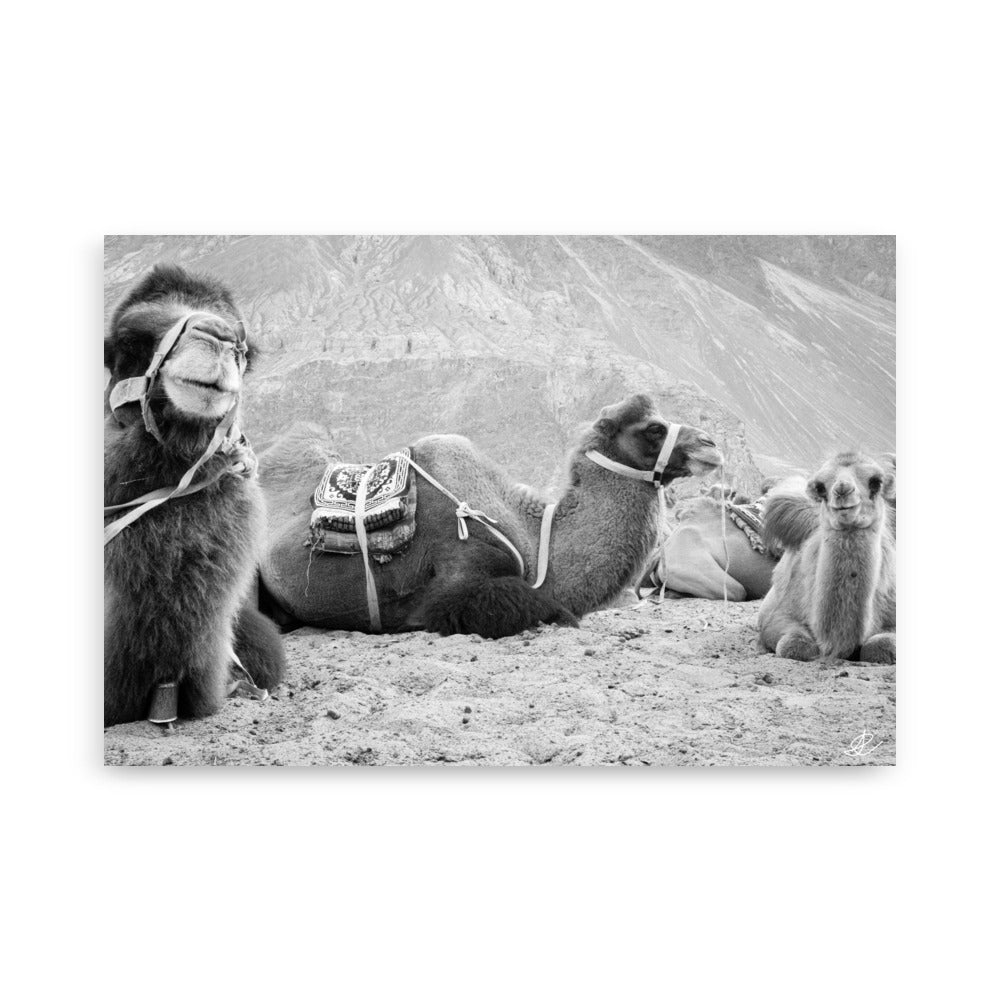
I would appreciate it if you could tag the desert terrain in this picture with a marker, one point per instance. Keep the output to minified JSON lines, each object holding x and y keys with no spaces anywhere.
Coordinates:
{"x":675,"y":683}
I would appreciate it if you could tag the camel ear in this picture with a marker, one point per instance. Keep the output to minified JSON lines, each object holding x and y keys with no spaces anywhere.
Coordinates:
{"x":607,"y":426}
{"x":889,"y":486}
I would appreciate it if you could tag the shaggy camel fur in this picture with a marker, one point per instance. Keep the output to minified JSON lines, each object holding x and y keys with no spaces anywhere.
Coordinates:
{"x":604,"y":527}
{"x":177,"y":581}
{"x":834,"y":589}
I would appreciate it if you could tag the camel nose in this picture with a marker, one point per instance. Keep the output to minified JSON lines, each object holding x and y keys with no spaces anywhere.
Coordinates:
{"x":843,"y":490}
{"x":216,"y":329}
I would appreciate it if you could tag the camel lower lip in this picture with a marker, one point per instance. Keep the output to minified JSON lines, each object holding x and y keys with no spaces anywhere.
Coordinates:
{"x":200,"y":385}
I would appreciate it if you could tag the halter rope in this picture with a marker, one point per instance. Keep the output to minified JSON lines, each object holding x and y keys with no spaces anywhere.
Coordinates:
{"x":227,"y":436}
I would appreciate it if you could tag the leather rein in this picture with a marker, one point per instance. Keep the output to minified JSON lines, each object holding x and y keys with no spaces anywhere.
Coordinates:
{"x":227,"y":438}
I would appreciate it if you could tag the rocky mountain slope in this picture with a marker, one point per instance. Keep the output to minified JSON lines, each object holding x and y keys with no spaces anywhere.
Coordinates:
{"x":784,"y":347}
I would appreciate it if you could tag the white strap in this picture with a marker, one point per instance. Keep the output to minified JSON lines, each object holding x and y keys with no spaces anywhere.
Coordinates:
{"x":652,"y":476}
{"x":661,"y":539}
{"x":623,"y":470}
{"x":128,"y":390}
{"x":463,"y":511}
{"x":543,"y":544}
{"x":149,"y":501}
{"x":673,"y":430}
{"x":362,"y":533}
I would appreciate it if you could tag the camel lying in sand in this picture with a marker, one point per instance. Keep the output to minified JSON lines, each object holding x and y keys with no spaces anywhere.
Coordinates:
{"x":604,"y":526}
{"x":834,"y":589}
{"x":698,"y":560}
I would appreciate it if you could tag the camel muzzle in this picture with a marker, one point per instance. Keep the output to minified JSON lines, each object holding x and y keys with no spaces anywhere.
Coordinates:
{"x":844,"y":496}
{"x":227,"y":437}
{"x":139,"y":389}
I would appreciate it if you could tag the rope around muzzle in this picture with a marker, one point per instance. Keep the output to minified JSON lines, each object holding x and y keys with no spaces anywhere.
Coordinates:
{"x":227,"y":437}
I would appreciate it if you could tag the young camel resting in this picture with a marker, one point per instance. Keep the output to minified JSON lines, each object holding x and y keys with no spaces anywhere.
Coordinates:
{"x":834,"y":590}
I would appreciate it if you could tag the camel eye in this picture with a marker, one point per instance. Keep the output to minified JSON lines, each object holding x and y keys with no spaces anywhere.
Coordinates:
{"x":655,"y":432}
{"x":875,"y":484}
{"x":820,"y":490}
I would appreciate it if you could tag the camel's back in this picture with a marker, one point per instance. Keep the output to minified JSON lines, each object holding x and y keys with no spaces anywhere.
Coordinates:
{"x":456,"y":463}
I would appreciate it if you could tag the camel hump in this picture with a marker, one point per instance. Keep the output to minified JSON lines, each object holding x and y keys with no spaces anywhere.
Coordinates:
{"x":442,"y":445}
{"x":790,"y":518}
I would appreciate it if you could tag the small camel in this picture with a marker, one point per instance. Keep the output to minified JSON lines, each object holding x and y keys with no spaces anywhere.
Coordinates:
{"x":834,"y":589}
{"x":603,"y":528}
{"x":178,"y":579}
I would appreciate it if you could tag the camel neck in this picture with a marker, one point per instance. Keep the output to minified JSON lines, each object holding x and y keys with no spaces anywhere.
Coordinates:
{"x":604,"y":528}
{"x":849,"y":568}
{"x":138,"y":462}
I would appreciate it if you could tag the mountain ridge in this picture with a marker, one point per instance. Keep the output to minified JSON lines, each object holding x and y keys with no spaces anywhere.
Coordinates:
{"x":793,"y":337}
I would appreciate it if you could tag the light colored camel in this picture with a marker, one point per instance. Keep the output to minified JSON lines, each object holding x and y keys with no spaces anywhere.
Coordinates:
{"x":697,"y":552}
{"x":604,"y":526}
{"x":834,"y":589}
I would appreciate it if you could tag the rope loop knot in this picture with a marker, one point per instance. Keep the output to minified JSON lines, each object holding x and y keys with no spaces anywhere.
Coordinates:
{"x":463,"y":511}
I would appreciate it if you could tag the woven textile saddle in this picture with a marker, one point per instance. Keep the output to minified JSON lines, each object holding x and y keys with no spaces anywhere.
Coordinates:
{"x":749,"y":518}
{"x":389,"y":509}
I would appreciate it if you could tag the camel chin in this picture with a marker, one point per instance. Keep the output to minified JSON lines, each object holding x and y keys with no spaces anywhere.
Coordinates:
{"x":197,"y":400}
{"x":858,"y":517}
{"x":703,"y":461}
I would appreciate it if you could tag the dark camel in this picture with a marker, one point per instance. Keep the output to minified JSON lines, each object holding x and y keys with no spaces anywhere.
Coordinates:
{"x":604,"y":528}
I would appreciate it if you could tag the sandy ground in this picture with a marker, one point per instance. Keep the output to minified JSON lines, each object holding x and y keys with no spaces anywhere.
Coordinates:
{"x":673,"y":683}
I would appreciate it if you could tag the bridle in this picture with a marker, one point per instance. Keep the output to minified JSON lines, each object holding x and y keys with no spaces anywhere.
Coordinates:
{"x":139,"y":389}
{"x":227,"y":437}
{"x":654,"y":476}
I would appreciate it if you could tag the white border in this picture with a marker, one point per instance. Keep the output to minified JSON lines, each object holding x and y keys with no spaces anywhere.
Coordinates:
{"x":451,"y":117}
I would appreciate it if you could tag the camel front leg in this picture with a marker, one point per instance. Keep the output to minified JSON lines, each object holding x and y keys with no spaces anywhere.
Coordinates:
{"x":880,"y":648}
{"x":797,"y":644}
{"x":782,"y":635}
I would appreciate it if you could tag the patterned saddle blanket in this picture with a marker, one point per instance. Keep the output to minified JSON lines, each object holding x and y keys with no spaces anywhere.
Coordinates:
{"x":749,"y":518}
{"x":389,"y":514}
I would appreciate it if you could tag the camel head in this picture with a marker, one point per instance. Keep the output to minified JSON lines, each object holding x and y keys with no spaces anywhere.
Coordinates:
{"x":632,"y":432}
{"x":852,"y":491}
{"x":202,"y":375}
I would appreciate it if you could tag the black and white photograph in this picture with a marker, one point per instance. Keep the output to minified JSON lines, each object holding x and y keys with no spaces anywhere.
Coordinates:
{"x":546,"y":535}
{"x":500,"y":500}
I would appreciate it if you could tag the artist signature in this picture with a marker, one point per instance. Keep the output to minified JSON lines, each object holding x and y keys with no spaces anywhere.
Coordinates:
{"x":861,"y":746}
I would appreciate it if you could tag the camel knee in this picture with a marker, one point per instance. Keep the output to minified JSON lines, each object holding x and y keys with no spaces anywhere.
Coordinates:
{"x":492,"y":607}
{"x":880,"y":648}
{"x":797,"y":645}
